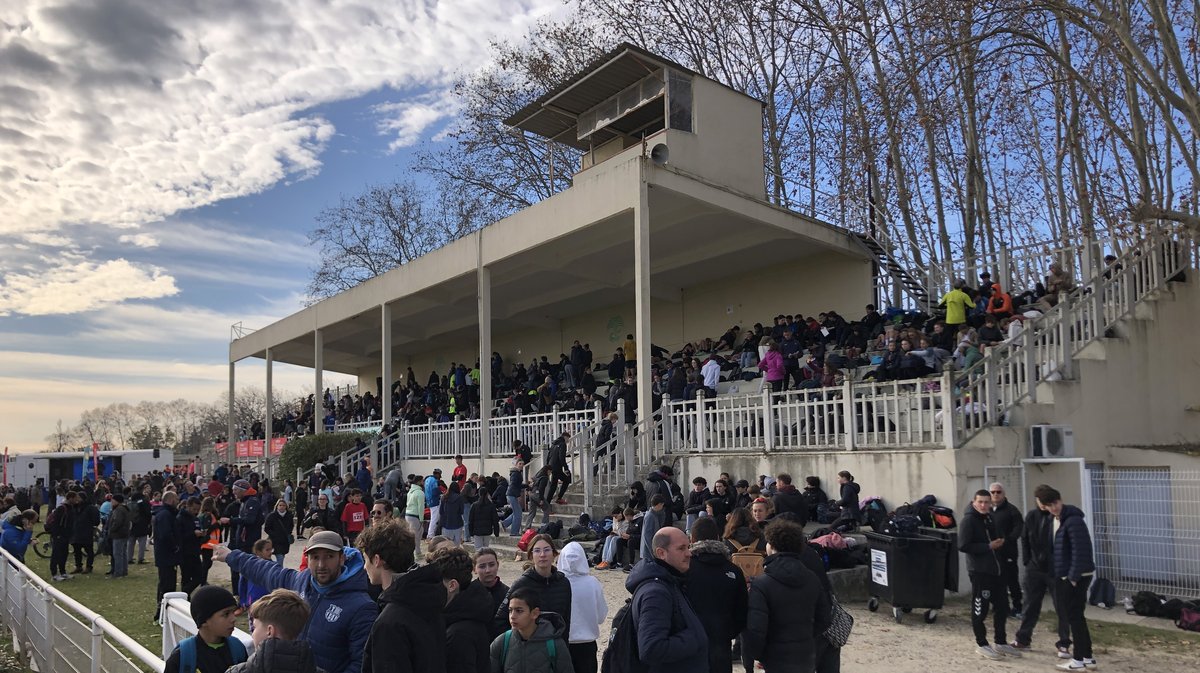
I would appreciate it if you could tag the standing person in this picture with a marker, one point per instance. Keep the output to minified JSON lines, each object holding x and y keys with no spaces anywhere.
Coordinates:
{"x":301,"y":498}
{"x":433,"y":500}
{"x":1037,"y":554}
{"x":278,"y":528}
{"x":788,"y":608}
{"x":1009,"y":525}
{"x":849,"y":492}
{"x":958,"y":304}
{"x":483,"y":520}
{"x":166,"y":547}
{"x":141,"y":517}
{"x":535,"y":643}
{"x":245,"y":523}
{"x":191,"y":536}
{"x":1074,"y":567}
{"x":209,"y":521}
{"x":354,"y":516}
{"x":323,"y":516}
{"x":588,"y":608}
{"x":542,"y":577}
{"x":487,"y":575}
{"x":716,"y":588}
{"x":83,"y":535}
{"x":670,"y":636}
{"x":61,"y":524}
{"x":414,"y":506}
{"x":468,"y":613}
{"x":335,"y":587}
{"x":453,"y":508}
{"x":654,"y":520}
{"x":18,"y":533}
{"x":213,"y":649}
{"x":409,"y":635}
{"x":773,"y":368}
{"x":559,"y":469}
{"x":119,"y":526}
{"x":978,"y":539}
{"x":459,"y":474}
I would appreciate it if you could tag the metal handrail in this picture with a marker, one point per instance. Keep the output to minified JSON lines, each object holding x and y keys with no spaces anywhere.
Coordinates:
{"x":39,"y":637}
{"x":176,"y":618}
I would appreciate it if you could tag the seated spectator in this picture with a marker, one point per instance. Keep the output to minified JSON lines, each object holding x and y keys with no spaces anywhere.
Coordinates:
{"x":728,"y":340}
{"x":1000,"y":304}
{"x":742,"y":530}
{"x":814,"y":496}
{"x":989,"y":333}
{"x":934,"y":357}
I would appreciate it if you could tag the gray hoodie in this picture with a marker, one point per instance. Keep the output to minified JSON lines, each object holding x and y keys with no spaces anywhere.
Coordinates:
{"x":533,"y":655}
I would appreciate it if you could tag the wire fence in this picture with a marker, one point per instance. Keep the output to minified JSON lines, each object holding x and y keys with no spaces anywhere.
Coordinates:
{"x":1146,"y":529}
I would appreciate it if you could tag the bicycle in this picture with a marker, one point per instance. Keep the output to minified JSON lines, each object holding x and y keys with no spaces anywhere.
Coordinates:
{"x":43,"y":543}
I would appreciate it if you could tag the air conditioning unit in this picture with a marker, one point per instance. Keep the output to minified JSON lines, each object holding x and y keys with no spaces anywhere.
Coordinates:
{"x":1051,"y":441}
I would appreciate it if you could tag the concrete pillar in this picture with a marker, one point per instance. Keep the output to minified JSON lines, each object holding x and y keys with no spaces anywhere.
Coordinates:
{"x":231,"y":432}
{"x":485,"y":364}
{"x":268,"y":426}
{"x":319,"y":382}
{"x":385,"y":335}
{"x":641,"y":295}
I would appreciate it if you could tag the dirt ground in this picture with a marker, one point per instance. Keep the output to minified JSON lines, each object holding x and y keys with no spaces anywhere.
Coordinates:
{"x":878,"y":643}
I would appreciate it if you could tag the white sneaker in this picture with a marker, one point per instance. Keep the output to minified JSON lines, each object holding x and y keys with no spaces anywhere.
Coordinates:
{"x":1072,"y":665}
{"x":987,"y":652}
{"x":1090,"y":663}
{"x":1007,"y":650}
{"x":1064,"y":653}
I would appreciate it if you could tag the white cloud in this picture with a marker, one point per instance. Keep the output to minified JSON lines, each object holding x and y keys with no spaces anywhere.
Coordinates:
{"x":139,"y":240}
{"x":69,"y":285}
{"x":121,"y":112}
{"x":408,"y":120}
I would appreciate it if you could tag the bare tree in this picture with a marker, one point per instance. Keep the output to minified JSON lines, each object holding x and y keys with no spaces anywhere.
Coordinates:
{"x":60,"y":439}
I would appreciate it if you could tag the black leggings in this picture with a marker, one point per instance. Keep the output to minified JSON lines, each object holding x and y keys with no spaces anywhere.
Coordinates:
{"x":80,"y":550}
{"x":583,"y":657}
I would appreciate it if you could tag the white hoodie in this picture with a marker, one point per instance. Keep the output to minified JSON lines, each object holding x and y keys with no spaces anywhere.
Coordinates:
{"x":588,"y":607}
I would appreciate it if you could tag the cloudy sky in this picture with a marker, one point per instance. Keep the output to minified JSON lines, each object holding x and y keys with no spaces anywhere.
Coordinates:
{"x":161,"y":162}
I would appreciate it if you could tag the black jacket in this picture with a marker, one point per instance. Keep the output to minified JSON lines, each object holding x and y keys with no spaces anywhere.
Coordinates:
{"x":189,"y":544}
{"x":87,"y":517}
{"x":279,"y":528}
{"x":166,"y":538}
{"x":716,"y":589}
{"x":849,"y":500}
{"x":484,"y":520}
{"x":1072,"y":546}
{"x":324,"y":518}
{"x":453,"y":506}
{"x":788,"y":499}
{"x":1037,"y":538}
{"x":812,"y":498}
{"x":279,"y":656}
{"x":555,"y":591}
{"x":975,"y":532}
{"x":468,"y":630}
{"x":788,"y":611}
{"x":247,"y":524}
{"x":1008,"y":526}
{"x":670,"y":635}
{"x":140,"y":516}
{"x":405,"y":638}
{"x":497,"y":592}
{"x":558,"y":454}
{"x":696,"y":500}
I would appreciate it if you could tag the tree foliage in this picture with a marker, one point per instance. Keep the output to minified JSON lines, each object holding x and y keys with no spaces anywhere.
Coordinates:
{"x":304,"y":452}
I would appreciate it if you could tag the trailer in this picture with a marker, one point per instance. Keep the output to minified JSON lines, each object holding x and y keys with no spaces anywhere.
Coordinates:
{"x":26,"y":469}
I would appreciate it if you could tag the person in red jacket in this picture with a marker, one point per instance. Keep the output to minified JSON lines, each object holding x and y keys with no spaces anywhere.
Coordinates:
{"x":460,"y":472}
{"x":354,"y":516}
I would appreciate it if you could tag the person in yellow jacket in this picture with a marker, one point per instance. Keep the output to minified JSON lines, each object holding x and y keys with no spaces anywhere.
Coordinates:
{"x":957,"y":304}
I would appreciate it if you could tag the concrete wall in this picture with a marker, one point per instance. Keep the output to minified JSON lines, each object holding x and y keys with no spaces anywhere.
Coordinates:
{"x":726,"y":145}
{"x":816,"y":283}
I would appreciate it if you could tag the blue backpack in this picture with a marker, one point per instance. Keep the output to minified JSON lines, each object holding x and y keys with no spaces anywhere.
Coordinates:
{"x":551,"y":651}
{"x":187,"y":653}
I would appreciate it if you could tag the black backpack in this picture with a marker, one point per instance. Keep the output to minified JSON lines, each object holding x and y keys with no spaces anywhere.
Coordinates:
{"x":903,"y":525}
{"x":621,"y":655}
{"x":1148,"y":604}
{"x":552,"y":528}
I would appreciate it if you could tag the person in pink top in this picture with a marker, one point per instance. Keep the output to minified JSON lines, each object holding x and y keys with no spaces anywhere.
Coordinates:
{"x":773,"y":368}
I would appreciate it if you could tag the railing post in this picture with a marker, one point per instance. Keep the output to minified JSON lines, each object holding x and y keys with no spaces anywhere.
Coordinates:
{"x":556,"y":424}
{"x":586,"y":460}
{"x":768,"y":420}
{"x":97,"y":646}
{"x":1029,"y":365}
{"x":701,"y":438}
{"x":517,"y":428}
{"x":1066,"y":325}
{"x":991,"y":388}
{"x":949,"y":415}
{"x":667,"y":434}
{"x":849,"y":417}
{"x":49,"y":662}
{"x":457,"y":436}
{"x":1005,"y":269}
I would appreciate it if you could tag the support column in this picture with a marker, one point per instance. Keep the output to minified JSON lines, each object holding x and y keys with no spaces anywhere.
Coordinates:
{"x":268,"y":425}
{"x":485,"y":364}
{"x":231,"y":431}
{"x":385,"y":335}
{"x":319,"y":382}
{"x":641,"y":294}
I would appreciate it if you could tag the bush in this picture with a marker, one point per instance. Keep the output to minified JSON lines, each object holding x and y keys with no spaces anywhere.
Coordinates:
{"x":304,"y":452}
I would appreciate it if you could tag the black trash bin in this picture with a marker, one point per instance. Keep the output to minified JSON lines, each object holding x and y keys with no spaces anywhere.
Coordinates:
{"x":950,"y":536}
{"x":909,"y":573}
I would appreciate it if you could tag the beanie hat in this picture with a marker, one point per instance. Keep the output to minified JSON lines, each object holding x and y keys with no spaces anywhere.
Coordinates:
{"x":208,"y":600}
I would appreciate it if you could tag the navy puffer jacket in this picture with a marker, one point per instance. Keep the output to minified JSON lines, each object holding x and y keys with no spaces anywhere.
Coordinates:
{"x":1072,"y":545}
{"x":670,"y":636}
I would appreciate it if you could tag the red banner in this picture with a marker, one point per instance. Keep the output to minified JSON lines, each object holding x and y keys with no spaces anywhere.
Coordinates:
{"x":277,"y":445}
{"x":243,"y":449}
{"x":96,"y":461}
{"x":222,"y":448}
{"x":256,"y":448}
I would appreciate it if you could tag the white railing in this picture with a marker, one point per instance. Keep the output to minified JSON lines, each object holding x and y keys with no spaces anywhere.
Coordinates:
{"x":610,"y":467}
{"x":359,"y":426}
{"x":177,"y":624}
{"x":893,"y":414}
{"x":57,"y":634}
{"x":1045,"y":348}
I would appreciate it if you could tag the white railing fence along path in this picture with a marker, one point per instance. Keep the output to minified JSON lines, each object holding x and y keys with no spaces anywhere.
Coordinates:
{"x":57,"y":634}
{"x":177,"y":624}
{"x":1045,"y":348}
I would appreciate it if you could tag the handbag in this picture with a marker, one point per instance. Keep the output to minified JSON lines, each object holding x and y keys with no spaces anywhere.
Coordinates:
{"x":840,"y":625}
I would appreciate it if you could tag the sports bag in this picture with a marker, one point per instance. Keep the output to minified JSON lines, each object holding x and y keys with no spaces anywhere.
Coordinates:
{"x":526,"y":537}
{"x":552,"y":528}
{"x":1103,"y":594}
{"x":903,"y":525}
{"x":1189,"y":619}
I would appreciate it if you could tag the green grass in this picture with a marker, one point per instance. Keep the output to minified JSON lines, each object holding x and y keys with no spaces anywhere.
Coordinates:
{"x":9,"y":661}
{"x":127,"y":602}
{"x":1129,"y":636}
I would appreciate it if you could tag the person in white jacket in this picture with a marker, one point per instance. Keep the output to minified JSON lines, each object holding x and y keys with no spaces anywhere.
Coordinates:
{"x":588,"y":608}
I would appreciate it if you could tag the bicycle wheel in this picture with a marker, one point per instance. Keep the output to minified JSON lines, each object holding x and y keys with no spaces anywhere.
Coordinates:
{"x":41,"y":544}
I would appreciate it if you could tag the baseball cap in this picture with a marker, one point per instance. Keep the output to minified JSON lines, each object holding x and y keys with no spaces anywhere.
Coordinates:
{"x":326,"y":539}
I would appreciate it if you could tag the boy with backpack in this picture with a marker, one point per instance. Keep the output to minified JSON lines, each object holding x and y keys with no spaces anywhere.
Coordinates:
{"x":535,"y":643}
{"x":280,"y":617}
{"x":212,"y":649}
